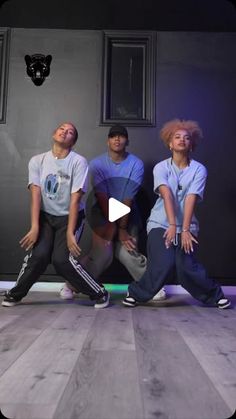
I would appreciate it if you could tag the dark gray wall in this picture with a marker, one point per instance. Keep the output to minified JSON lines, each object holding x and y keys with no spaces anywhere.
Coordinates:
{"x":188,"y":15}
{"x":196,"y":78}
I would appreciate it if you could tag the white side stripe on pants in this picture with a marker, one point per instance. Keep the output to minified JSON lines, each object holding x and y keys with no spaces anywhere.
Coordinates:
{"x":85,"y":275}
{"x":81,"y":271}
{"x":24,"y":265}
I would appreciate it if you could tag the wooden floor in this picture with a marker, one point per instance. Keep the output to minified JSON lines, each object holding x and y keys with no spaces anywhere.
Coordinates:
{"x":67,"y":360}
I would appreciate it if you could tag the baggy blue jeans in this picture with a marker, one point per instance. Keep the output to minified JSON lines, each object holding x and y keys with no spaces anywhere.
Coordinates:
{"x":160,"y":264}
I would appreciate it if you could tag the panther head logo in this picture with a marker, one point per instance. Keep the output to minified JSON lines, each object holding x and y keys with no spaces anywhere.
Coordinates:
{"x":38,"y":67}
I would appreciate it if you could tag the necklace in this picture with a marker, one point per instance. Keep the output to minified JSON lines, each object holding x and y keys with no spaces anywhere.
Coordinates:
{"x":178,"y":173}
{"x":56,"y":157}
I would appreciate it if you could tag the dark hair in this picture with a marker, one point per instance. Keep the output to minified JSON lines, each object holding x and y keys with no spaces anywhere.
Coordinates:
{"x":76,"y":134}
{"x":118,"y":130}
{"x":74,"y":128}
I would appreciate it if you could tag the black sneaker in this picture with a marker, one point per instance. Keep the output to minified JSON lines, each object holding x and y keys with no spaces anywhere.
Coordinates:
{"x":129,"y":301}
{"x":10,"y":301}
{"x":223,"y":303}
{"x":103,"y":301}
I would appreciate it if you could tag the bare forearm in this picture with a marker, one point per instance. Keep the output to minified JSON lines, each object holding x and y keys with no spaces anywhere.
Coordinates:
{"x":187,"y":239}
{"x":127,"y":240}
{"x":189,"y":206}
{"x":35,"y":205}
{"x":103,"y":203}
{"x":28,"y":241}
{"x":123,"y":221}
{"x":73,"y":216}
{"x":168,"y":204}
{"x":72,"y":224}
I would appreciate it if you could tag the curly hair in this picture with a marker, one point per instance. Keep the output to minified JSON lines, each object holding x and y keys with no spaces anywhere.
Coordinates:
{"x":170,"y":127}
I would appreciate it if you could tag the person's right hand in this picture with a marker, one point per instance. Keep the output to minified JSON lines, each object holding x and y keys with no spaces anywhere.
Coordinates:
{"x":169,"y":235}
{"x":128,"y":241}
{"x":28,"y":241}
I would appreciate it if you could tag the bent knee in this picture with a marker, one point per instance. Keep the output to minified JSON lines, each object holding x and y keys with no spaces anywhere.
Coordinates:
{"x":57,"y":261}
{"x":38,"y":258}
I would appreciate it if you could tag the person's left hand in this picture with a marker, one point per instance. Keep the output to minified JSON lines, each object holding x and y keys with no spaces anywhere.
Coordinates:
{"x":187,"y":240}
{"x":128,"y":241}
{"x":72,"y":245}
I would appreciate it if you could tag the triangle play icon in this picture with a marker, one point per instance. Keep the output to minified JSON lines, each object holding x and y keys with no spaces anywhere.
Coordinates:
{"x":116,"y":209}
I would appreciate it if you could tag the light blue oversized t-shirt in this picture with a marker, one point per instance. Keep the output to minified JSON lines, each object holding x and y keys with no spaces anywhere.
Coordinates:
{"x":119,"y":180}
{"x":182,"y":182}
{"x":58,"y":179}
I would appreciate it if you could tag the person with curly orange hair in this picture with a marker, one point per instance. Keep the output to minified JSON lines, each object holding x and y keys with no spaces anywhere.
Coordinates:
{"x":172,"y":227}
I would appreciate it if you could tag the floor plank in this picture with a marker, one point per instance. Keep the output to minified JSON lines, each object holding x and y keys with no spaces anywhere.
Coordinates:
{"x":210,"y":333}
{"x":112,"y":329}
{"x":28,"y":411}
{"x":174,"y":385}
{"x":43,"y":370}
{"x":19,"y":331}
{"x":104,"y":385}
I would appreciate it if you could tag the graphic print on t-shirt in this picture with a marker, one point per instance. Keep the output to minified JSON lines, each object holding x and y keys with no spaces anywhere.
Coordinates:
{"x":53,"y":182}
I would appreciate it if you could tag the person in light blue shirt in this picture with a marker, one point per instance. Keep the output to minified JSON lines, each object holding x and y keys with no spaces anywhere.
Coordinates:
{"x":182,"y":182}
{"x":172,"y":227}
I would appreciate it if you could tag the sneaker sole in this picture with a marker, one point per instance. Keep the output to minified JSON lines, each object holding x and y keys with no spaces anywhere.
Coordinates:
{"x":9,"y":304}
{"x":128,"y":304}
{"x":226,"y":305}
{"x":66,"y":298}
{"x":162,"y":298}
{"x":104,"y":305}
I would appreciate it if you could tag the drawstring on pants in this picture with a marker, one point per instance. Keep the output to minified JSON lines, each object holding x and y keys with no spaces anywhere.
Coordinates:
{"x":175,"y":240}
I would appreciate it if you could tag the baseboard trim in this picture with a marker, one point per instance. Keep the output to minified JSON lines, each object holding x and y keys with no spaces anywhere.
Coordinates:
{"x":115,"y":288}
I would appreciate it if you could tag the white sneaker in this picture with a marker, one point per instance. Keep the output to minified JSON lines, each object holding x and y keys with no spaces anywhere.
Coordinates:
{"x":223,"y":303}
{"x":160,"y":295}
{"x":66,"y":293}
{"x":103,"y":301}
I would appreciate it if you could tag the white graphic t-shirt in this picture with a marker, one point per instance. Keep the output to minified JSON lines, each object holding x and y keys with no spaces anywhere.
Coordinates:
{"x":58,"y":179}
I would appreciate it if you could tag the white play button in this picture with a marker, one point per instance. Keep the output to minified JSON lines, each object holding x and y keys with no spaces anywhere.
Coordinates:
{"x":116,"y":209}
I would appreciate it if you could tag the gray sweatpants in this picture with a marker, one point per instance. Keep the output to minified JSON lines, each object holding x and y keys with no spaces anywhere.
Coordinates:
{"x":101,"y":255}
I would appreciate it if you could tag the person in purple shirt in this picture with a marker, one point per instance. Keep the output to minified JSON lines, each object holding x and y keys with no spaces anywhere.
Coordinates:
{"x":172,"y":227}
